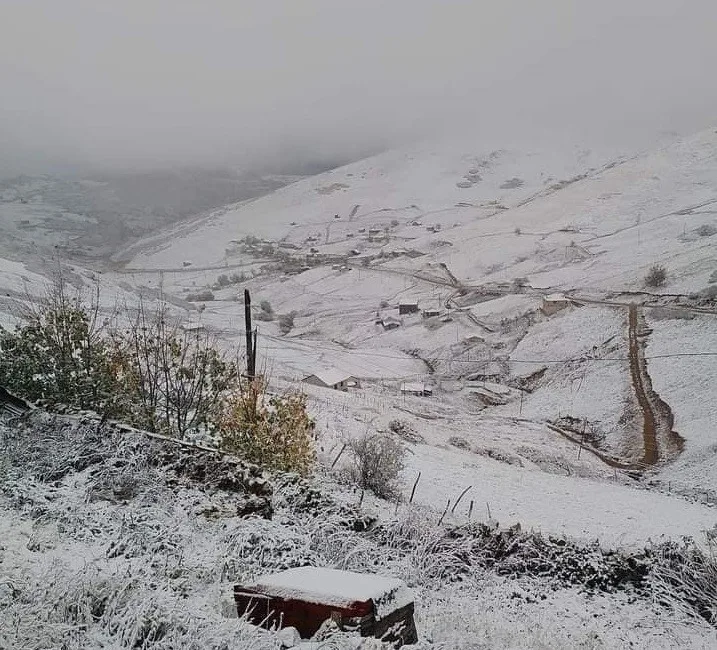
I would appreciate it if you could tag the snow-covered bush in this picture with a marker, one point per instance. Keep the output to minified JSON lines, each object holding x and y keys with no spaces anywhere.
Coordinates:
{"x":686,"y":578}
{"x":274,"y":431}
{"x":286,"y":322}
{"x":266,"y":311}
{"x":170,"y":379}
{"x":200,"y":296}
{"x":404,"y":430}
{"x":376,"y":464}
{"x":706,"y":230}
{"x":60,"y":354}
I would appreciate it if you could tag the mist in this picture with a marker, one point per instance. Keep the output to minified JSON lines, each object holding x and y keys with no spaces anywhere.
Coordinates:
{"x":139,"y":84}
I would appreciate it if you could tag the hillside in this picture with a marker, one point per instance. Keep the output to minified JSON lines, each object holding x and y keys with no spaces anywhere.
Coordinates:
{"x":493,"y":302}
{"x":479,"y":240}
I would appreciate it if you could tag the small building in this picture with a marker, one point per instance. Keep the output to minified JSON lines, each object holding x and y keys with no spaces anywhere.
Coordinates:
{"x":431,"y":313}
{"x":194,"y":328}
{"x":10,"y":405}
{"x":335,"y":379}
{"x":553,"y":303}
{"x":407,"y":307}
{"x":374,"y":232}
{"x":306,"y":597}
{"x":418,"y":389}
{"x":390,"y":323}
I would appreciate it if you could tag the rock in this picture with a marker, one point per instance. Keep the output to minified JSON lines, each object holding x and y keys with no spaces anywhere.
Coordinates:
{"x":289,"y":637}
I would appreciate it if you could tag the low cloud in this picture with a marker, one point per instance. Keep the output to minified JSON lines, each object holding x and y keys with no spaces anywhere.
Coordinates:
{"x":146,"y":83}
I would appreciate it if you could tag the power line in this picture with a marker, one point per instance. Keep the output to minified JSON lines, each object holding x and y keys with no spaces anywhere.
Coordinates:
{"x":509,"y":360}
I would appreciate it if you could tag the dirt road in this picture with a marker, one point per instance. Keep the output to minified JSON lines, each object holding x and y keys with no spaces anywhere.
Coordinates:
{"x":660,"y":441}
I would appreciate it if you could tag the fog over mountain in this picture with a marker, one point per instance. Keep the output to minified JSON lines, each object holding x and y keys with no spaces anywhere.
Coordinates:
{"x":156,"y":82}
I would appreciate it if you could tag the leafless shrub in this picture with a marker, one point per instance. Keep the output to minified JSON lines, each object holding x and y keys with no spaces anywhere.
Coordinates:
{"x":404,"y":430}
{"x":656,"y":276}
{"x":171,"y":378}
{"x":200,"y":296}
{"x":460,"y":443}
{"x":286,"y":322}
{"x":706,"y":230}
{"x":376,"y":463}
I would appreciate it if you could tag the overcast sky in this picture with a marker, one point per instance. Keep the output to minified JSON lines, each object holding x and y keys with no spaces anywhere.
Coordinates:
{"x":148,"y":82}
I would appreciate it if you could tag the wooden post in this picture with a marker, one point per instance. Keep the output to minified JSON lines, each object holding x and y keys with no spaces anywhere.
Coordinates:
{"x":250,"y":338}
{"x":582,"y":437}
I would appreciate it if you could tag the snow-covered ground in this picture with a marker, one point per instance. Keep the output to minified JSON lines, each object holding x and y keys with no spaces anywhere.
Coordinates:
{"x":479,"y":237}
{"x":128,"y":552}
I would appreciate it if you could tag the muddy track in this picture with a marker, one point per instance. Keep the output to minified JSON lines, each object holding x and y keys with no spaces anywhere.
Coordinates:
{"x":660,"y":443}
{"x":659,"y":440}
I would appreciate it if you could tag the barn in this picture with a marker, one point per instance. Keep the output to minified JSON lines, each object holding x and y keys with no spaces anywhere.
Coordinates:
{"x":305,"y":597}
{"x":390,"y":323}
{"x":553,"y":303}
{"x":408,"y":307}
{"x":333,"y":378}
{"x":416,"y":388}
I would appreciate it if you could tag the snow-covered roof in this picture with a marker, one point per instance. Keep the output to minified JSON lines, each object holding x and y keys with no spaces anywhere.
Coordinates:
{"x":331,"y":377}
{"x":193,"y":327}
{"x":334,"y":587}
{"x":409,"y":303}
{"x":555,"y":297}
{"x":415,"y":387}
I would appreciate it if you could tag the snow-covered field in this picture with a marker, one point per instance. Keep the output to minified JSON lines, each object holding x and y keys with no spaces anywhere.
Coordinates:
{"x":124,"y":550}
{"x":533,"y":406}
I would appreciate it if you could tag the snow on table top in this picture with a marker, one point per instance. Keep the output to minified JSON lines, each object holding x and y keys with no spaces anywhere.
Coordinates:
{"x":335,"y":587}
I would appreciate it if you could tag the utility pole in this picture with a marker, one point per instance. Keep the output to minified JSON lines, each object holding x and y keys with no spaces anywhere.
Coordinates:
{"x":250,"y":338}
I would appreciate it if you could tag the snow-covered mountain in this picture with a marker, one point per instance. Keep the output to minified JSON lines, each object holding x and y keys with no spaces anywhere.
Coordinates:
{"x":568,"y":392}
{"x":481,"y":238}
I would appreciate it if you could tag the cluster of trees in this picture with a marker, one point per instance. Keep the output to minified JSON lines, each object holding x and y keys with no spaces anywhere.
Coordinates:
{"x":140,"y":366}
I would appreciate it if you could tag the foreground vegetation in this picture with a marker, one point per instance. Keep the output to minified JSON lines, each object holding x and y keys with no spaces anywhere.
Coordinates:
{"x":165,"y":531}
{"x":142,"y":367}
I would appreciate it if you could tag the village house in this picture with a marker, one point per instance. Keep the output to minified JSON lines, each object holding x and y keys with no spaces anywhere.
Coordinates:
{"x":553,"y":303}
{"x":336,"y":379}
{"x":407,"y":307}
{"x":389,"y":323}
{"x":193,"y":327}
{"x":418,"y":389}
{"x":431,"y":313}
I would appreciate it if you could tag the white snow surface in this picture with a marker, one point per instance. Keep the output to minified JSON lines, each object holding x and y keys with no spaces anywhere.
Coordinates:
{"x":335,"y":587}
{"x":522,"y":224}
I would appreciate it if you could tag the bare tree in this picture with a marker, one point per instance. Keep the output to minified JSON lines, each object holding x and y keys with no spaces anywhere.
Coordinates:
{"x":173,"y":377}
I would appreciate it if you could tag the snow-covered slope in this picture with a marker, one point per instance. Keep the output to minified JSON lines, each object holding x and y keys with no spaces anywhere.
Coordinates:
{"x":546,"y":401}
